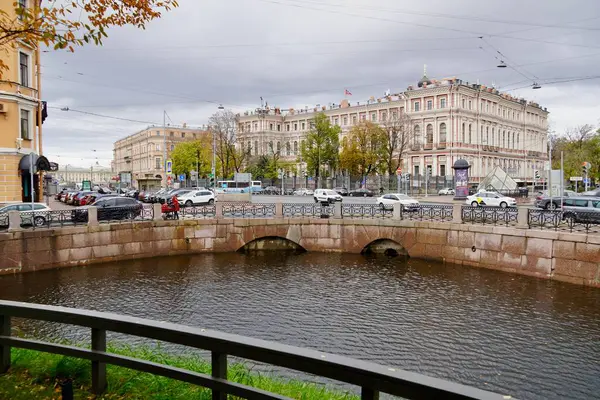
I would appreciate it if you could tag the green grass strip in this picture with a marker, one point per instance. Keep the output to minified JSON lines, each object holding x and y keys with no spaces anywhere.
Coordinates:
{"x":36,"y":375}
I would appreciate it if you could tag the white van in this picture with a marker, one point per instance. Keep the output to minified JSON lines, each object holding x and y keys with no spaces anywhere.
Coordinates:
{"x":326,"y":195}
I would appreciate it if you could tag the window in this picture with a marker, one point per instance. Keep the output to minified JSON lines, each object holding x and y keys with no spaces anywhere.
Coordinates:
{"x":278,"y":127}
{"x":336,"y":121}
{"x":513,"y":141}
{"x":464,"y":103}
{"x":442,"y":133}
{"x":295,"y":148}
{"x":442,"y":170}
{"x":417,"y":132}
{"x":354,"y":120}
{"x":255,"y":126}
{"x":256,"y":147}
{"x":442,"y":103}
{"x":470,"y":137}
{"x":416,"y":170}
{"x":24,"y":68}
{"x":157,"y":147}
{"x":363,"y":117}
{"x":374,"y":117}
{"x":287,"y":127}
{"x":22,"y":5}
{"x":157,"y":133}
{"x":394,"y":114}
{"x":288,"y":149}
{"x":429,"y":104}
{"x":182,"y":134}
{"x":518,"y":134}
{"x":296,"y":126}
{"x":384,"y":116}
{"x":303,"y":125}
{"x":270,"y":127}
{"x":463,"y":133}
{"x":25,"y":134}
{"x":172,"y":147}
{"x":470,"y":104}
{"x":487,"y":106}
{"x":172,"y":134}
{"x":417,"y":106}
{"x":157,"y":160}
{"x":278,"y":147}
{"x":429,"y":133}
{"x":345,"y":121}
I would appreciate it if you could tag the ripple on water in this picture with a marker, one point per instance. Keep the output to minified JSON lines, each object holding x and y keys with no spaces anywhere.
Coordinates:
{"x":530,"y":338}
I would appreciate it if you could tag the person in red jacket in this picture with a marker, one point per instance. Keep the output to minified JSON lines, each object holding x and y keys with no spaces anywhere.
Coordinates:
{"x":175,"y":207}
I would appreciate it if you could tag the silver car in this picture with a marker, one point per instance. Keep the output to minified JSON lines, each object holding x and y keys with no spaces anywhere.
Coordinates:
{"x":581,"y":209}
{"x":38,"y":218}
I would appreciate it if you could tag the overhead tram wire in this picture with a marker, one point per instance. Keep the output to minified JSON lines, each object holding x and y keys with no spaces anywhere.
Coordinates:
{"x":102,"y":115}
{"x":559,"y":81}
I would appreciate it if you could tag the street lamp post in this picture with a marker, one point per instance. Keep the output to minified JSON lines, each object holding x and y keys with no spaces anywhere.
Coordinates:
{"x":214,"y":155}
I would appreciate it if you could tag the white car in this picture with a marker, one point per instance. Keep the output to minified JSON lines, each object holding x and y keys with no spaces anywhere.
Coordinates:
{"x":491,"y":199}
{"x":40,"y":214}
{"x":388,"y":201}
{"x":326,"y":195}
{"x":446,"y":192}
{"x":303,"y":192}
{"x":194,"y":197}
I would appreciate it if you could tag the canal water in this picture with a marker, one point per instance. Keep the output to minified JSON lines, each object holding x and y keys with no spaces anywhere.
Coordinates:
{"x":515,"y":335}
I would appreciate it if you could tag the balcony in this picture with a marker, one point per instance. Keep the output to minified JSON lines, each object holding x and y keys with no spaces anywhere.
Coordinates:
{"x":428,"y":146}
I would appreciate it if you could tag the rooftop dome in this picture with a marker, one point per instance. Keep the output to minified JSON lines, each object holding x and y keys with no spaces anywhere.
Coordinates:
{"x":424,"y":80}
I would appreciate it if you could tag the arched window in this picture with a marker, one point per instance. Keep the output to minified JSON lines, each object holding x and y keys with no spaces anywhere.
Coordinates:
{"x":493,"y":137}
{"x":443,"y":132}
{"x":417,"y":132}
{"x":288,"y":149}
{"x":278,"y":147}
{"x":518,"y":134}
{"x":470,"y":136}
{"x":295,"y":148}
{"x":463,"y":133}
{"x":487,"y":135}
{"x":429,"y":133}
{"x":504,"y":139}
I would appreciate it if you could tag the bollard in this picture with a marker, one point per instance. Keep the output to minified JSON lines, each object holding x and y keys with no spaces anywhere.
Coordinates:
{"x":14,"y":221}
{"x":157,"y":211}
{"x":92,"y":213}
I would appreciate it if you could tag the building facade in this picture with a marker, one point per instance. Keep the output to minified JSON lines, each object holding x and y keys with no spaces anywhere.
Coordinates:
{"x":20,"y":112}
{"x":143,"y":154}
{"x":451,"y":120}
{"x":97,"y":174}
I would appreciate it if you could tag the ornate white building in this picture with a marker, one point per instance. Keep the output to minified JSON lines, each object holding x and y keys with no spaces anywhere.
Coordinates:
{"x":452,"y":120}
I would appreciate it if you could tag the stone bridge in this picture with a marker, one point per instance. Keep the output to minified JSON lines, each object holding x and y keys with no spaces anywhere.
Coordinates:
{"x":563,"y":256}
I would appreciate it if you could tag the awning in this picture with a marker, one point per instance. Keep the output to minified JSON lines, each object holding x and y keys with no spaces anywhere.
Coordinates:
{"x":40,"y":163}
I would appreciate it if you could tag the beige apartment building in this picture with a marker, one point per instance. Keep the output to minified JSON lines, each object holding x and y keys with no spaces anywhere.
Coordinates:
{"x":452,"y":120}
{"x":141,"y":156}
{"x":97,"y":174}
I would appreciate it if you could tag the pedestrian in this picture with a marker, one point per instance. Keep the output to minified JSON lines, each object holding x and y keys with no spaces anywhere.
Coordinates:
{"x":175,"y":207}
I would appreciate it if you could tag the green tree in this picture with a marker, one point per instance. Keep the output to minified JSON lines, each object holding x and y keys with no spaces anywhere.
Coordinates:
{"x":262,"y":168}
{"x":321,"y":146}
{"x":577,"y":145}
{"x":187,"y":155}
{"x":364,"y":150}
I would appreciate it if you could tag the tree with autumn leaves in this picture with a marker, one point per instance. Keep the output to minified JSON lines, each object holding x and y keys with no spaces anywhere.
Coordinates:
{"x":70,"y":24}
{"x":364,"y":149}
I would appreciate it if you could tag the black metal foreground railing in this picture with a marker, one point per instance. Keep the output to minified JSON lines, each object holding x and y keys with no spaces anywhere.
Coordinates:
{"x":490,"y":215}
{"x":371,"y":378}
{"x":567,"y":221}
{"x":307,"y":210}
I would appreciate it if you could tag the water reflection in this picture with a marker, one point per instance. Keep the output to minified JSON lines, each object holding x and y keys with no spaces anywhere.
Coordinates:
{"x":531,"y":338}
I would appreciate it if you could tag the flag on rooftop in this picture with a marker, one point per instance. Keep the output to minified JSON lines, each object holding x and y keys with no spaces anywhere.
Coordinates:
{"x":347,"y":92}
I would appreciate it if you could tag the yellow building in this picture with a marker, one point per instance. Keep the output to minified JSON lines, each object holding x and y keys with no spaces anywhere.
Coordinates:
{"x":20,"y":110}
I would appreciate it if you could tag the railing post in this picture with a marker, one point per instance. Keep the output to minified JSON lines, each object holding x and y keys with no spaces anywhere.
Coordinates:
{"x":337,"y":210}
{"x":4,"y":348}
{"x":522,"y":217}
{"x":397,"y":213}
{"x":457,"y":213}
{"x":92,"y":213}
{"x":157,"y":209}
{"x":278,"y":210}
{"x":14,"y":221}
{"x":98,"y":368}
{"x":219,"y":370}
{"x":368,"y":394}
{"x":218,"y":210}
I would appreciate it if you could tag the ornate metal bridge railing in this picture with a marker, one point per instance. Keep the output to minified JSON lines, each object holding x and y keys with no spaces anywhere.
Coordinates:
{"x":567,"y":220}
{"x":367,"y":211}
{"x":428,"y":212}
{"x":369,"y":377}
{"x":490,"y":215}
{"x":307,"y":210}
{"x":248,"y":210}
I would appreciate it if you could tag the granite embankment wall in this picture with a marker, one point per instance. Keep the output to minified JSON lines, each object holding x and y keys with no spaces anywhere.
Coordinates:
{"x":556,"y":255}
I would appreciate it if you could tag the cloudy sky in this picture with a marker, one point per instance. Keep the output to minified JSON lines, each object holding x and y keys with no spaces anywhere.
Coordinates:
{"x":297,"y":53}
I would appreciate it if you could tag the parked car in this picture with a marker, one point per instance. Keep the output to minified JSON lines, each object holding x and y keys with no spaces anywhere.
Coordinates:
{"x":387,"y":201}
{"x":303,"y":192}
{"x":326,"y":195}
{"x":543,"y":200}
{"x":79,"y":195}
{"x":68,"y":196}
{"x":362,"y":192}
{"x":60,"y":193}
{"x":595,"y":193}
{"x":195,"y":197}
{"x":491,"y":199}
{"x":37,"y":218}
{"x":446,"y":192}
{"x":110,"y":208}
{"x":272,"y":190}
{"x":581,"y":209}
{"x":342,"y":191}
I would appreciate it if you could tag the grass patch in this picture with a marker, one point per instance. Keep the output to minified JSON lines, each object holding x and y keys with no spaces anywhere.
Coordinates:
{"x":36,"y":375}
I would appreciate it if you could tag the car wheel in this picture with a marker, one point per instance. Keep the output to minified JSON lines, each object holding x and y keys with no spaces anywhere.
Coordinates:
{"x":551,"y":206}
{"x":316,"y":201}
{"x":211,"y":202}
{"x":130,"y":215}
{"x":503,"y":205}
{"x":189,"y":203}
{"x":39,"y":221}
{"x":474,"y":204}
{"x":365,"y":195}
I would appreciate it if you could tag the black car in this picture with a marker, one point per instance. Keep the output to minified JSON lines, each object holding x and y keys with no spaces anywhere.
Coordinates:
{"x":342,"y":191}
{"x":111,"y":208}
{"x":362,"y":192}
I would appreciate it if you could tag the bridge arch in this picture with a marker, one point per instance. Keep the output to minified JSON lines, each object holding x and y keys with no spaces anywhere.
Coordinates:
{"x":387,"y":247}
{"x":272,"y":243}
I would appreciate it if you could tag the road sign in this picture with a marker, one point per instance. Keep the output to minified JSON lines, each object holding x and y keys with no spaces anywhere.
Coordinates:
{"x":576,"y":179}
{"x":169,"y":180}
{"x":546,"y":165}
{"x":169,"y":166}
{"x":182,"y":178}
{"x":399,"y":171}
{"x":587,"y":165}
{"x":193,"y":174}
{"x":407,"y":176}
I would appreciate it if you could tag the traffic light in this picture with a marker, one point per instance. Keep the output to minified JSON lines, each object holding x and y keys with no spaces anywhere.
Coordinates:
{"x":583,"y":170}
{"x":537,"y":174}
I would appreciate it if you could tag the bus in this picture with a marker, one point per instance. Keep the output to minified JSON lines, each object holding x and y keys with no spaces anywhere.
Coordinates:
{"x":239,"y":187}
